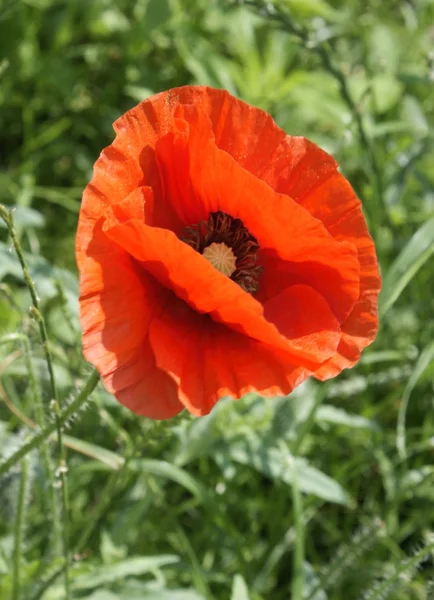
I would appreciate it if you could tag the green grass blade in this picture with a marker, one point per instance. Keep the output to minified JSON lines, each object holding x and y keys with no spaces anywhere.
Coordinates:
{"x":132,"y":567}
{"x":411,"y":259}
{"x":425,"y":359}
{"x":239,"y":589}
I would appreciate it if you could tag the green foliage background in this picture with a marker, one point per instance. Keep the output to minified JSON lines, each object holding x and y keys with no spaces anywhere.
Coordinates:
{"x":325,"y":495}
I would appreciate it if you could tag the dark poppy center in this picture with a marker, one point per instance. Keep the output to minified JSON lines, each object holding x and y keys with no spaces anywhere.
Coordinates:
{"x":229,"y":247}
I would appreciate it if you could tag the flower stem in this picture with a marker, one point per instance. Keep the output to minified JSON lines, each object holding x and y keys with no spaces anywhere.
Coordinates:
{"x":64,"y":415}
{"x":50,"y":492}
{"x":7,"y":216}
{"x":116,"y":482}
{"x":297,"y":587}
{"x":35,"y":311}
{"x":19,"y":522}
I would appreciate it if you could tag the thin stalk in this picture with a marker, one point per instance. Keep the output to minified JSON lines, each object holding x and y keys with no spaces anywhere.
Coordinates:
{"x":8,"y":218}
{"x":19,"y":525}
{"x":50,"y":491}
{"x":64,"y":415}
{"x":197,"y":571}
{"x":297,"y":586}
{"x":35,"y":311}
{"x":115,"y":483}
{"x":70,"y":442}
{"x":61,"y":472}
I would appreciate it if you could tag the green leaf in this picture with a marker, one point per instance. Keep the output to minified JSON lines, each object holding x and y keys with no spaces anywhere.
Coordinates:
{"x":239,"y":589}
{"x":279,"y":464}
{"x":378,"y":356}
{"x":137,"y":92}
{"x":112,"y":20}
{"x":386,"y":91}
{"x":157,"y":13}
{"x":310,"y":8}
{"x":48,"y":134}
{"x":68,"y":198}
{"x":385,"y":48}
{"x":414,"y":114}
{"x":167,"y":594}
{"x":107,"y":457}
{"x":131,"y":567}
{"x":162,"y":468}
{"x":415,"y":254}
{"x":138,"y":591}
{"x":198,"y":438}
{"x":339,"y":416}
{"x":206,"y":497}
{"x":43,"y":274}
{"x":425,"y":359}
{"x":62,"y":375}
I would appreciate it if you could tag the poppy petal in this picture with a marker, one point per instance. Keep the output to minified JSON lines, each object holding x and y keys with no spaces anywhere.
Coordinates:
{"x":246,"y":133}
{"x":346,"y":221}
{"x":144,"y":388}
{"x":239,"y":129}
{"x":209,"y":180}
{"x":180,"y":268}
{"x":300,"y":311}
{"x":208,"y":361}
{"x":297,"y":167}
{"x":117,"y":301}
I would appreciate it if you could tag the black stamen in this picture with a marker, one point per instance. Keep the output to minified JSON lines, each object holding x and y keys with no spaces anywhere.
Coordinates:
{"x":222,"y":228}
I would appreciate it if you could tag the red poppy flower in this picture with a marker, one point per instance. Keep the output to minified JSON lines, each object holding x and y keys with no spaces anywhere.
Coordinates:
{"x":219,"y":256}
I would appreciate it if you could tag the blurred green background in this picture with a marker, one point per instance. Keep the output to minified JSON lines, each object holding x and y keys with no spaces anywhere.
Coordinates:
{"x":209,"y":508}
